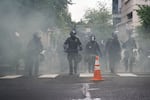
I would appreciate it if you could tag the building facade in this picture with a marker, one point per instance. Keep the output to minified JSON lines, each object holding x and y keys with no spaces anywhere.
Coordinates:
{"x":116,"y":9}
{"x":128,"y":16}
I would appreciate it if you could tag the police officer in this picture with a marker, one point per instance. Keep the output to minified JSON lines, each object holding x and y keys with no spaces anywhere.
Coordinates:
{"x":34,"y":48}
{"x":92,"y":50}
{"x":113,"y":51}
{"x":130,"y":54}
{"x":72,"y":46}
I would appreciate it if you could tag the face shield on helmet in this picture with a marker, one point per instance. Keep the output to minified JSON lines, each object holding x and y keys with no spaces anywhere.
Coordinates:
{"x":73,"y":33}
{"x":92,"y":38}
{"x":102,"y":41}
{"x":114,"y":35}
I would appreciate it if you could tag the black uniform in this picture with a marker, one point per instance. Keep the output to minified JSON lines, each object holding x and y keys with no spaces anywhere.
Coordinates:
{"x":32,"y":58}
{"x":113,"y":51}
{"x":92,"y":50}
{"x":129,"y":54}
{"x":72,"y":45}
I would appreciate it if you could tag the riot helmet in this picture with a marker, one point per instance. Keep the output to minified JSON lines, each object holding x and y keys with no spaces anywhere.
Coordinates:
{"x":36,"y":35}
{"x":114,"y":35}
{"x":92,"y":37}
{"x":73,"y":33}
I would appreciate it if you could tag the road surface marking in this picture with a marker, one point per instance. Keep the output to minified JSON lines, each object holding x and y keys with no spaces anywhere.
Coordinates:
{"x":85,"y":90}
{"x":10,"y":76}
{"x":88,"y":99}
{"x":127,"y":74}
{"x":86,"y":93}
{"x":48,"y":76}
{"x":92,"y":89}
{"x":86,"y":75}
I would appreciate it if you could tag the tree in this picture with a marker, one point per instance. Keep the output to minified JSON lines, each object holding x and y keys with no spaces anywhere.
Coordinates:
{"x":99,"y":20}
{"x":144,"y":15}
{"x":56,"y":9}
{"x":51,"y":12}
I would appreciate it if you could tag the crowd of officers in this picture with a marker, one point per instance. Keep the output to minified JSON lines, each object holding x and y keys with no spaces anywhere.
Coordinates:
{"x":110,"y":51}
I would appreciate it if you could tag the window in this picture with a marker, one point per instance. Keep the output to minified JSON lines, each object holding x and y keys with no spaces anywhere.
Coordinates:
{"x":129,"y":15}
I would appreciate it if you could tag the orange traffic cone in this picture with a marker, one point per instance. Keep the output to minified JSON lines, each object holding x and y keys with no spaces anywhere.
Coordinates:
{"x":97,"y":71}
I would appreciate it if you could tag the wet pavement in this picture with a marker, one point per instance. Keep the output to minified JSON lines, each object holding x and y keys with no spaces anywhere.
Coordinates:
{"x":65,"y":87}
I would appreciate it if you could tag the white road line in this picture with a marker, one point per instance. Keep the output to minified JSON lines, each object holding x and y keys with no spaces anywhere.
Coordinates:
{"x":86,"y":93}
{"x":90,"y":75}
{"x":127,"y":75}
{"x":85,"y":90}
{"x":92,"y":89}
{"x":88,"y":99}
{"x":48,"y":76}
{"x":10,"y":76}
{"x":86,"y":75}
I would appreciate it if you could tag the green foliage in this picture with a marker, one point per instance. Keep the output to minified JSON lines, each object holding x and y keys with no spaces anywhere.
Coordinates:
{"x":99,"y":20}
{"x":144,"y":15}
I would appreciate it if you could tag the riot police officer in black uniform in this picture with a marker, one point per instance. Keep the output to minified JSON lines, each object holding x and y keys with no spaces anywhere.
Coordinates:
{"x":113,"y":50}
{"x":34,"y":48}
{"x":92,"y":50}
{"x":129,"y":53}
{"x":72,"y":46}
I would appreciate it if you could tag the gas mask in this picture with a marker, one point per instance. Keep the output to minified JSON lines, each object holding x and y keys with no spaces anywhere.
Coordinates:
{"x":92,"y":38}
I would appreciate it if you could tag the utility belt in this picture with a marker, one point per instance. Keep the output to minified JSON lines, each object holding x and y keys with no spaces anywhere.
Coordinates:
{"x":72,"y":51}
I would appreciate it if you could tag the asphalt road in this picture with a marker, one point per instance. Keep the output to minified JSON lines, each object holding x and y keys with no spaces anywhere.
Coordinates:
{"x":65,"y":87}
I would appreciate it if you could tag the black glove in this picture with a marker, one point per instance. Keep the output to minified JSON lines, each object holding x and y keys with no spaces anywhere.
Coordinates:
{"x":65,"y":48}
